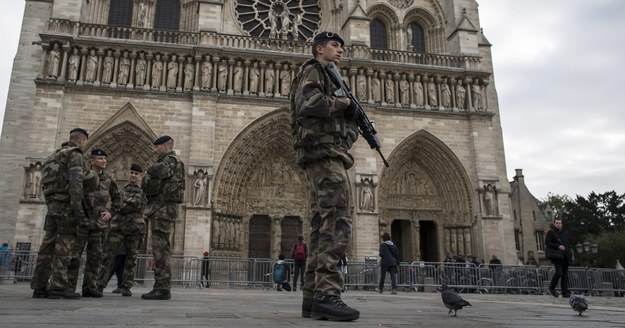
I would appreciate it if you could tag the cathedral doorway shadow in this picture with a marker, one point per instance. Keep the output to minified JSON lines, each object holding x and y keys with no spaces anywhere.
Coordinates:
{"x":259,"y":245}
{"x":428,"y":245}
{"x":401,"y":235}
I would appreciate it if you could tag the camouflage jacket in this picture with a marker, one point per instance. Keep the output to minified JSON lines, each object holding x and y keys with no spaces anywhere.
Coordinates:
{"x":105,"y":199}
{"x":63,"y":175}
{"x":164,"y":180}
{"x":130,"y":213}
{"x":320,"y":129}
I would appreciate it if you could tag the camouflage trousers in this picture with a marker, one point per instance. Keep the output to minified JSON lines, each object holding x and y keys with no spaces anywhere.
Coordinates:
{"x":162,"y":217}
{"x":331,"y":227}
{"x":55,"y":252}
{"x":117,"y":238}
{"x":92,"y":239}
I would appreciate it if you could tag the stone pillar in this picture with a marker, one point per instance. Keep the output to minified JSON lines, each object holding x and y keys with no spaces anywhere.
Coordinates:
{"x":196,"y":78}
{"x":246,"y":77}
{"x":230,"y":77}
{"x":215,"y":73}
{"x":131,"y":73}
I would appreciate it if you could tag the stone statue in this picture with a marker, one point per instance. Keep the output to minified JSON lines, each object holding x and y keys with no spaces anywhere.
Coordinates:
{"x":216,"y":234}
{"x":189,"y":74}
{"x":254,"y":77}
{"x":107,"y":71}
{"x":207,"y":74}
{"x":74,"y":62}
{"x":476,"y":95}
{"x":141,"y":14}
{"x":285,"y":82}
{"x":172,"y":73}
{"x":270,"y":78}
{"x":157,"y":72}
{"x":409,"y":45}
{"x":92,"y":66}
{"x":390,"y":91}
{"x":445,"y":94}
{"x":404,"y":87}
{"x":273,"y":24}
{"x":375,"y":88}
{"x":285,"y":20}
{"x":461,"y":94}
{"x":140,"y":70}
{"x":54,"y":58}
{"x":237,"y":76}
{"x":296,"y":24}
{"x":199,"y":189}
{"x":34,"y":182}
{"x":361,"y":87}
{"x":366,"y":196}
{"x":432,"y":96}
{"x":490,"y":199}
{"x":222,"y":75}
{"x":418,"y":92}
{"x":124,"y":69}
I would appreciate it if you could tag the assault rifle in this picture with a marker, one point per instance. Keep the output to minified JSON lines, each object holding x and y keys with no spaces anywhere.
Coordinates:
{"x":364,"y":124}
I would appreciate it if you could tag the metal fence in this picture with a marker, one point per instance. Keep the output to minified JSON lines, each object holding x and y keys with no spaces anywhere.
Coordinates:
{"x":237,"y":272}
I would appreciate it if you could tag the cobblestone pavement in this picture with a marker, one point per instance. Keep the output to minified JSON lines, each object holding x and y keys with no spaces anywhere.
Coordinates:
{"x":210,"y":307}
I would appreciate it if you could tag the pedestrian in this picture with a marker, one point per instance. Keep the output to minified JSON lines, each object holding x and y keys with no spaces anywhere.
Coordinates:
{"x":101,"y":205}
{"x":65,"y":181}
{"x":126,"y":236}
{"x":323,"y":153}
{"x":205,"y":271}
{"x":557,"y":243}
{"x":5,"y":259}
{"x":299,"y":253}
{"x":281,"y":274}
{"x":389,"y":261}
{"x":164,"y":187}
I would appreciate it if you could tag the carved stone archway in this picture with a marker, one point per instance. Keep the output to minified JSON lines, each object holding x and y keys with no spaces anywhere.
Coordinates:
{"x":427,"y":183}
{"x":258,"y":176}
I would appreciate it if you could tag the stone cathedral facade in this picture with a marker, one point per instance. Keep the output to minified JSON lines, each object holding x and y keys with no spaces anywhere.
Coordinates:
{"x":216,"y":76}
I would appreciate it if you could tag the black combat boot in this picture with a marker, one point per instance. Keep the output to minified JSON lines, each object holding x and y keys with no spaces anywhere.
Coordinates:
{"x":40,"y":293}
{"x":126,"y":292}
{"x":157,"y":294}
{"x":307,"y":307}
{"x":91,"y":293}
{"x":63,"y":293}
{"x":331,"y":307}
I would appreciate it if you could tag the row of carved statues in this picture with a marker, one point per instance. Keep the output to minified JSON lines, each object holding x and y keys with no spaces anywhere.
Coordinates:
{"x":242,"y":76}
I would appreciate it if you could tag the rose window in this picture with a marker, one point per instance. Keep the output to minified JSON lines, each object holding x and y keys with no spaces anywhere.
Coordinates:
{"x":279,"y":19}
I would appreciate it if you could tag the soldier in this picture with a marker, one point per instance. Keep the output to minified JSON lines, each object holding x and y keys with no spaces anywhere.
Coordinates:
{"x":65,"y":179}
{"x":324,"y":130}
{"x":127,"y":229}
{"x":91,"y":231}
{"x":164,"y":187}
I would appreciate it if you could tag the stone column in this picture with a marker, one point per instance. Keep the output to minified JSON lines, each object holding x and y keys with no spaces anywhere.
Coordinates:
{"x":163,"y":86}
{"x":469,"y":96}
{"x":411,"y":91}
{"x":230,"y":77}
{"x":246,"y":77}
{"x":83,"y":67}
{"x":98,"y":78}
{"x":382,"y":77}
{"x":196,"y":78}
{"x":396,"y":86}
{"x":131,"y":73}
{"x":215,"y":73}
{"x":261,"y":82}
{"x":179,"y":82}
{"x":369,"y":91}
{"x":116,"y":55}
{"x":148,"y":73}
{"x":276,"y":87}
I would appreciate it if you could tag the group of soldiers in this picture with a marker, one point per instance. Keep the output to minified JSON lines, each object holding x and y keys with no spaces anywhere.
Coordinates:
{"x":86,"y":210}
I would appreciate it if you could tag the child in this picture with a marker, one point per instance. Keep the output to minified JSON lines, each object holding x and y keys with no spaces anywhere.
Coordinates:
{"x":281,"y":274}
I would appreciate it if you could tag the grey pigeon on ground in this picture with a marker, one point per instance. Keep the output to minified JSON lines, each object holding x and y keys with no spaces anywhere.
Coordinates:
{"x":578,"y":303}
{"x":452,"y":300}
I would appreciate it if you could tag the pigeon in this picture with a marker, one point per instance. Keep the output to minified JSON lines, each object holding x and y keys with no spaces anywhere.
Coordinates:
{"x":578,"y":303}
{"x":452,"y":300}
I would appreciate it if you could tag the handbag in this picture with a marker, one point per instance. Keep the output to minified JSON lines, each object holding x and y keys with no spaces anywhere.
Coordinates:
{"x":554,"y":254}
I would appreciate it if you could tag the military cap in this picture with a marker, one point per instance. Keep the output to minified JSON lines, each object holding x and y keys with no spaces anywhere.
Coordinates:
{"x":98,"y":152}
{"x":136,"y":167}
{"x":81,"y":131}
{"x":161,"y":140}
{"x":325,"y":36}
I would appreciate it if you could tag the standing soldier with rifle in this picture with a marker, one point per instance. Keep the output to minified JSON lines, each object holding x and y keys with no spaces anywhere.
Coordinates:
{"x":324,"y":127}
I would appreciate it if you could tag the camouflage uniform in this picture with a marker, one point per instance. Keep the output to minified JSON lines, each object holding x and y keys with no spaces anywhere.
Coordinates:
{"x":164,"y":187}
{"x":322,"y":137}
{"x":91,"y":232}
{"x":64,"y":193}
{"x":127,"y":228}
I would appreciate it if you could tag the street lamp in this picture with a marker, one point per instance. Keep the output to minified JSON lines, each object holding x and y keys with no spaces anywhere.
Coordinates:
{"x":586,"y":248}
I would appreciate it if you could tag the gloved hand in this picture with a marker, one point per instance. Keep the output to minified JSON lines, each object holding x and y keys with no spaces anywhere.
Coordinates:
{"x":77,"y":217}
{"x":351,"y":110}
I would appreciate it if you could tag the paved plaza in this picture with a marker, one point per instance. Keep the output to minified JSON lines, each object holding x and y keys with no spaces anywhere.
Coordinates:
{"x":210,"y":307}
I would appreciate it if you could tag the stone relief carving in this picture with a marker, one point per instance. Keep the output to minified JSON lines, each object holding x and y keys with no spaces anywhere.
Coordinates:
{"x":445,"y":94}
{"x":107,"y":70}
{"x":141,"y":13}
{"x":189,"y":74}
{"x":254,"y":78}
{"x":124,"y":69}
{"x":376,"y":88}
{"x":401,"y":4}
{"x":461,"y":94}
{"x":285,"y":81}
{"x":32,"y":182}
{"x":366,"y":195}
{"x":222,"y":75}
{"x":140,"y":69}
{"x":238,"y":77}
{"x":295,"y":19}
{"x":74,"y":63}
{"x":157,"y":72}
{"x":432,"y":96}
{"x":200,"y":186}
{"x":227,"y":233}
{"x":404,"y":87}
{"x":418,"y":92}
{"x":476,"y":95}
{"x":361,"y":86}
{"x":207,"y":74}
{"x":270,"y":77}
{"x":172,"y":73}
{"x":54,"y":58}
{"x":491,"y":207}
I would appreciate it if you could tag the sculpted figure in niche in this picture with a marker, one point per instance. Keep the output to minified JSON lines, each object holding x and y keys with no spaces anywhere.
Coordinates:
{"x":207,"y":74}
{"x":366,"y":196}
{"x":445,"y":94}
{"x":361,"y":87}
{"x":254,"y":78}
{"x":172,"y":73}
{"x":376,"y":88}
{"x":476,"y":94}
{"x":140,"y":70}
{"x":285,"y":82}
{"x":490,"y":199}
{"x":390,"y":91}
{"x":189,"y":74}
{"x":404,"y":87}
{"x":216,"y":234}
{"x":34,"y":182}
{"x":199,"y":189}
{"x":409,"y":38}
{"x":222,"y":75}
{"x":296,"y":24}
{"x":285,"y":20}
{"x":92,"y":66}
{"x":432,"y":97}
{"x":53,"y":61}
{"x":461,"y":94}
{"x":222,"y":233}
{"x":418,"y":92}
{"x":157,"y":72}
{"x":74,"y":62}
{"x":124,"y":69}
{"x":273,"y":24}
{"x":270,"y":78}
{"x":237,"y":75}
{"x":107,"y":71}
{"x":141,"y":14}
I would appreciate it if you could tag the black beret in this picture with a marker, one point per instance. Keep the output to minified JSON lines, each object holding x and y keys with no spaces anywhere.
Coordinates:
{"x":97,"y":152}
{"x":324,"y":36}
{"x":162,"y":140}
{"x":81,"y":131}
{"x":136,"y":168}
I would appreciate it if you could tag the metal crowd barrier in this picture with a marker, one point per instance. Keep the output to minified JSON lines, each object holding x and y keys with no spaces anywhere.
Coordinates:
{"x":236,"y":272}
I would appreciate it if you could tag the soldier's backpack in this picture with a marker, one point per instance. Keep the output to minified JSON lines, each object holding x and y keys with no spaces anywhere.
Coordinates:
{"x":278,"y":273}
{"x":53,"y":178}
{"x":300,"y":252}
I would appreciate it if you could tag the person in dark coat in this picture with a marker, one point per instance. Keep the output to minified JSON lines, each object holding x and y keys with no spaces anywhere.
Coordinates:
{"x":389,"y":260}
{"x":557,"y":240}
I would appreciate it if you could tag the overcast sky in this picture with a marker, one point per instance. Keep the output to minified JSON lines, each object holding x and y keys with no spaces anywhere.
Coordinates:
{"x":559,"y":70}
